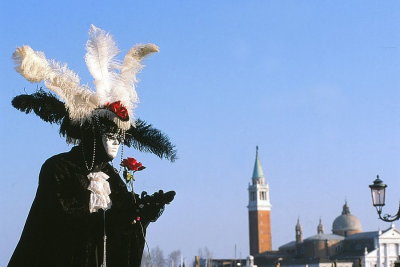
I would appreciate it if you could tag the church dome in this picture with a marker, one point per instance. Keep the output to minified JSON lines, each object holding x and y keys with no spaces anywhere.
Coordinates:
{"x":346,"y":224}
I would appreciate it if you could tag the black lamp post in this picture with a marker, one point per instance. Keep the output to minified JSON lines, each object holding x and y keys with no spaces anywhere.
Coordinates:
{"x":378,"y":200}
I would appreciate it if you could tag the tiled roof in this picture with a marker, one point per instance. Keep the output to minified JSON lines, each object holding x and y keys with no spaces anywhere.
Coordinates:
{"x":324,"y":237}
{"x":363,"y":235}
{"x":288,"y":245}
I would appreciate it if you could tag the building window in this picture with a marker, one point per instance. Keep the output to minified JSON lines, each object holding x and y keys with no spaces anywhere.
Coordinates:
{"x":252,"y":196}
{"x":263,"y":195}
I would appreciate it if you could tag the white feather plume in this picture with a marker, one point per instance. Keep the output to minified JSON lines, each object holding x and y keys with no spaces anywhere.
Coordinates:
{"x":113,"y":81}
{"x":124,"y":86}
{"x":101,"y":50}
{"x":33,"y":65}
{"x":132,"y":61}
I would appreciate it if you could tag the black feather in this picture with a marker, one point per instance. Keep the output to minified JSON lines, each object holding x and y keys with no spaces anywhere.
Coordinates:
{"x":145,"y":138}
{"x":45,"y":105}
{"x":70,"y":130}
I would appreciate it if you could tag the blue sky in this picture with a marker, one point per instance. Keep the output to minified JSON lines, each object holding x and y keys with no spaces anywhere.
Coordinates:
{"x":315,"y":84}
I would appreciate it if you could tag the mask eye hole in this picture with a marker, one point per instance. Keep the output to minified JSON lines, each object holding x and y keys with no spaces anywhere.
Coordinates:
{"x":118,"y":137}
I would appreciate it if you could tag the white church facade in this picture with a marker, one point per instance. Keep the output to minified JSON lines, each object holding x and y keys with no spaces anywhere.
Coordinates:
{"x":386,"y":250}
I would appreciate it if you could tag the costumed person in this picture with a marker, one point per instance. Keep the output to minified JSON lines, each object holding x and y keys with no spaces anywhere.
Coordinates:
{"x":83,"y":213}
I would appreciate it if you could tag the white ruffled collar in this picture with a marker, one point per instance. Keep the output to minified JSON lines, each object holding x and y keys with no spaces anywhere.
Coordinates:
{"x":100,"y":191}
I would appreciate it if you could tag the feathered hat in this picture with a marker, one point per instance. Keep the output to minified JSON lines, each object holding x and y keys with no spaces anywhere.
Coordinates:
{"x":113,"y":101}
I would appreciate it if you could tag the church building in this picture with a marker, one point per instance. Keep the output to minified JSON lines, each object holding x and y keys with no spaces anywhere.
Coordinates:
{"x":346,"y":246}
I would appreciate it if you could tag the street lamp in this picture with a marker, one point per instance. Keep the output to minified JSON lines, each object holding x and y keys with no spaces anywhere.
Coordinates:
{"x":378,"y":200}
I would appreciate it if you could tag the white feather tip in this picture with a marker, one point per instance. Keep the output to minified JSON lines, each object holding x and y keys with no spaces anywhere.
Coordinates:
{"x":30,"y":64}
{"x":140,"y":51}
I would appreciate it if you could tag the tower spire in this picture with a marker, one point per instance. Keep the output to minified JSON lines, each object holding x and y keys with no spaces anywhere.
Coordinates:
{"x":258,"y":173}
{"x":346,"y":209}
{"x":320,"y":228}
{"x":299,"y":232}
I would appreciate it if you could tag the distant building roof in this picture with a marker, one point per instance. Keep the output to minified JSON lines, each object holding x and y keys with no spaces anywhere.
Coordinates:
{"x":363,"y":235}
{"x":324,"y":237}
{"x":288,"y":245}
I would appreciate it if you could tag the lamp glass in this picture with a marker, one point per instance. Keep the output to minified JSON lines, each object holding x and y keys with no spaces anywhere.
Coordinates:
{"x":378,"y":196}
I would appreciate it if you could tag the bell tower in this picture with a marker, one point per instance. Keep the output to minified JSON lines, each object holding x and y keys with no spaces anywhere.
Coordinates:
{"x":259,"y":211}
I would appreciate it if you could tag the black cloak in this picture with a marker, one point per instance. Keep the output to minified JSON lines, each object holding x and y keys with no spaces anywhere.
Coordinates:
{"x":60,"y":230}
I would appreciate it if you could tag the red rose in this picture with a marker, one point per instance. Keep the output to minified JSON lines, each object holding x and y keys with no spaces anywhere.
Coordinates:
{"x":118,"y":109}
{"x":132,"y":164}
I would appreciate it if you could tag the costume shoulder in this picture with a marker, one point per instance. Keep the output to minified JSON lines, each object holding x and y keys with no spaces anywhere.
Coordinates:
{"x":59,"y":167}
{"x":72,"y":156}
{"x":57,"y":159}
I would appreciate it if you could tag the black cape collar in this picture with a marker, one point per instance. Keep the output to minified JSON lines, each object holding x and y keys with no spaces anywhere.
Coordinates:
{"x":76,"y":156}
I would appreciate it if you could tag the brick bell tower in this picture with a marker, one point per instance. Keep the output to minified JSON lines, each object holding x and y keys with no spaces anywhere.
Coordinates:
{"x":259,"y":211}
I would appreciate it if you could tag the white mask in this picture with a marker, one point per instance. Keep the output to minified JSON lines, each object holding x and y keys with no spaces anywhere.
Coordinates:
{"x":111,"y":145}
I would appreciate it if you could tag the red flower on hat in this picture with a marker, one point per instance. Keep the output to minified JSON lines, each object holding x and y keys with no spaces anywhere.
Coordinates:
{"x":132,"y":164}
{"x":118,"y":109}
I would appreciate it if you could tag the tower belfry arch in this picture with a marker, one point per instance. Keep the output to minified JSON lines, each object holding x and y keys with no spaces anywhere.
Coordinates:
{"x":259,"y":208}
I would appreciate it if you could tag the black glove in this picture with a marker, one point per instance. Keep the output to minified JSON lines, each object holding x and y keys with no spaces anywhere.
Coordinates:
{"x":150,"y":208}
